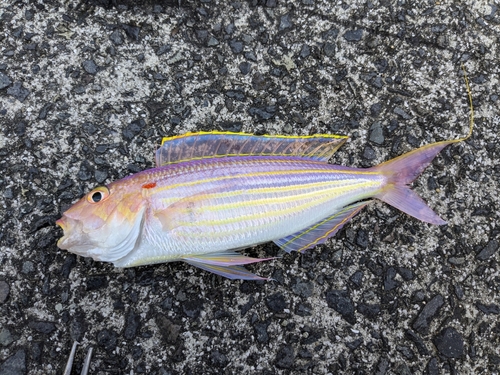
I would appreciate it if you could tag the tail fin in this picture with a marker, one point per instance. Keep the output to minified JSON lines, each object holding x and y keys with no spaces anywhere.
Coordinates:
{"x":404,"y":169}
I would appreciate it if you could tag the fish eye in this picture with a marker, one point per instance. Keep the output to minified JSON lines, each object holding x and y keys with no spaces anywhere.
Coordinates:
{"x":98,"y":194}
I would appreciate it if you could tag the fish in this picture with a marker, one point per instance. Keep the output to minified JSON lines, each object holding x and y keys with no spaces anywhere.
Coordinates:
{"x":213,"y":194}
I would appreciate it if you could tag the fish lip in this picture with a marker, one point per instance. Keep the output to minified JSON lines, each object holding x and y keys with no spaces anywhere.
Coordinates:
{"x":61,"y":223}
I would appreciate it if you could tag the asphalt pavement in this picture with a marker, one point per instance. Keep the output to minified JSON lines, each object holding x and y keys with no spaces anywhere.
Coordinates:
{"x":89,"y":88}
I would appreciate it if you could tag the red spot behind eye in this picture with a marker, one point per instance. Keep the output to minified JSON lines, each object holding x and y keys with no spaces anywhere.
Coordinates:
{"x":149,"y":185}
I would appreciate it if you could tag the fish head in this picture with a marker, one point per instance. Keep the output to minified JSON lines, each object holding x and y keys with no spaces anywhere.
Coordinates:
{"x":105,"y":224}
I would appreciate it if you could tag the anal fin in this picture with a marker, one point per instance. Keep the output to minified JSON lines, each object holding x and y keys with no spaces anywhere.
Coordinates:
{"x":321,"y":231}
{"x":227,"y":264}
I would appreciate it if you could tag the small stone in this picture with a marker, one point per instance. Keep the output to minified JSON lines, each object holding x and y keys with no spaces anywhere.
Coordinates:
{"x":163,"y":49}
{"x":4,"y":81}
{"x":449,"y":342}
{"x":90,"y":67}
{"x":29,"y":14}
{"x":389,"y":282}
{"x":89,"y":128}
{"x":116,"y":37}
{"x":18,"y":91}
{"x":456,"y":261}
{"x":353,"y":35}
{"x":169,"y":331}
{"x":42,"y":115}
{"x":305,"y":51}
{"x":376,"y":133}
{"x":5,"y":337}
{"x":260,"y":329}
{"x":285,"y":22}
{"x":15,"y":364}
{"x":303,"y":310}
{"x":362,"y":238}
{"x":428,"y":313}
{"x":303,"y":288}
{"x":28,"y":267}
{"x":96,"y":282}
{"x":276,"y":303}
{"x":285,"y":357}
{"x":245,"y":67}
{"x":236,"y":46}
{"x":42,"y":327}
{"x":375,"y":109}
{"x":382,"y":366}
{"x":212,"y":41}
{"x":368,"y":310}
{"x":265,"y":113}
{"x":79,"y":89}
{"x":132,"y":325}
{"x":132,"y":31}
{"x":488,"y":309}
{"x":405,"y":273}
{"x":432,"y":366}
{"x":400,"y":112}
{"x":218,"y":359}
{"x":17,"y":32}
{"x":192,"y":308}
{"x":133,"y":129}
{"x":85,"y":172}
{"x":100,"y":176}
{"x":438,"y":28}
{"x":8,"y":194}
{"x":369,"y":153}
{"x":353,"y":345}
{"x":107,"y":339}
{"x":459,"y":292}
{"x":417,"y":340}
{"x":406,"y":351}
{"x":356,"y":278}
{"x":4,"y":291}
{"x":490,"y":249}
{"x":177,"y":58}
{"x":329,"y":49}
{"x":340,"y":301}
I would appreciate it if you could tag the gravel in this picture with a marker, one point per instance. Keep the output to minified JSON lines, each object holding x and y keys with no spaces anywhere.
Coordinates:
{"x":89,"y":88}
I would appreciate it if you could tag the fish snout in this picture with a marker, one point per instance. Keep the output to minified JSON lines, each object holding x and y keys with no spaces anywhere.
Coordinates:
{"x":71,"y":232}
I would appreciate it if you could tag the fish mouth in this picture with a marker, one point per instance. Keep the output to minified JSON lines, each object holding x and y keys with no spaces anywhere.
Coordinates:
{"x":62,"y":225}
{"x":71,"y":233}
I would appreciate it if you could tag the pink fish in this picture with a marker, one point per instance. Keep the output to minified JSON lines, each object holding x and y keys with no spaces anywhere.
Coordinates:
{"x":213,"y":194}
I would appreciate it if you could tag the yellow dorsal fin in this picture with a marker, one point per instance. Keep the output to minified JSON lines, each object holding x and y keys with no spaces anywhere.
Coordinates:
{"x":204,"y":145}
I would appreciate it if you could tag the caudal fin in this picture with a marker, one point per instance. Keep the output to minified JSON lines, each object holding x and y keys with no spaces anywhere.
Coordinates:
{"x":401,"y":172}
{"x":404,"y":169}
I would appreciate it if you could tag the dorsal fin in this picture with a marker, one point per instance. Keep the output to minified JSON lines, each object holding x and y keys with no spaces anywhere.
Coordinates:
{"x":203,"y":145}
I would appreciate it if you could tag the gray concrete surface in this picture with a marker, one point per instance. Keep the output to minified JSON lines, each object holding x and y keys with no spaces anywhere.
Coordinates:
{"x":87,"y":90}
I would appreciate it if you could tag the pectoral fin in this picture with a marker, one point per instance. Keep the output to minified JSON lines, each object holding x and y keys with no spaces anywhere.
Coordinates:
{"x":320,"y":232}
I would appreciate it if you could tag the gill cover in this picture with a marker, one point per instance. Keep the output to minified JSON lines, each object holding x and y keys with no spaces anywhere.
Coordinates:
{"x":105,"y":224}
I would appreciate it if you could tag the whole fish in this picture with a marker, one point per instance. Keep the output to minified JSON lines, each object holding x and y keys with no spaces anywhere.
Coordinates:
{"x":213,"y":194}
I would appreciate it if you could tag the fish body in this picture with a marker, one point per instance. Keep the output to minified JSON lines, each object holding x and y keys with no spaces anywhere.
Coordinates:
{"x":213,"y":194}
